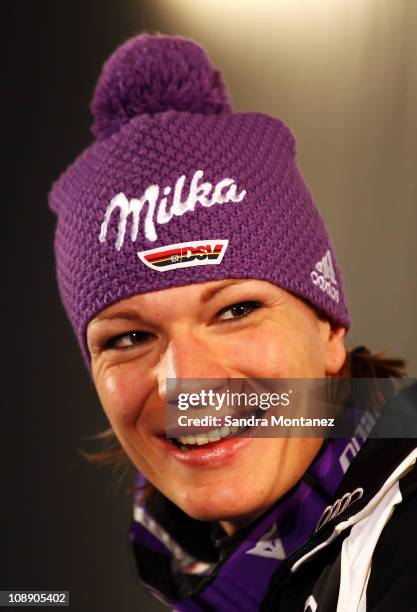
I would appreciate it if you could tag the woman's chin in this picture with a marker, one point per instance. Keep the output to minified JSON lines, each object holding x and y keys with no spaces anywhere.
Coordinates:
{"x":221,"y":504}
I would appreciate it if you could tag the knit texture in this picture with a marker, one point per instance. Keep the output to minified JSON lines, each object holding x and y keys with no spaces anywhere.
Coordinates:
{"x":162,"y":113}
{"x":153,"y":74}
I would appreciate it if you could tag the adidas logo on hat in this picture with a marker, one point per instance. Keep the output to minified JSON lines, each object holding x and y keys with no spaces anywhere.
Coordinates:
{"x":324,"y":277}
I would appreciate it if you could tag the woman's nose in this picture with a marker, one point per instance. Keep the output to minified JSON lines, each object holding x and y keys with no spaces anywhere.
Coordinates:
{"x":188,"y":358}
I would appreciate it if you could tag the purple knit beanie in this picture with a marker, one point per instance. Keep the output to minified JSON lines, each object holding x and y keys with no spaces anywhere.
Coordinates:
{"x":179,"y":189}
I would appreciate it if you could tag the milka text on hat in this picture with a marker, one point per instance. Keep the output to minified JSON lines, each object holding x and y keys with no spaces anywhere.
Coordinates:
{"x":200,"y":192}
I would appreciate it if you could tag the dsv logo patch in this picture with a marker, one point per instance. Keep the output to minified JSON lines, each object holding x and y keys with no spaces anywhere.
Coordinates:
{"x":184,"y":255}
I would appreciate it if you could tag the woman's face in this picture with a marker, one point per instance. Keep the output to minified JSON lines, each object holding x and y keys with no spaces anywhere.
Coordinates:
{"x":220,"y":329}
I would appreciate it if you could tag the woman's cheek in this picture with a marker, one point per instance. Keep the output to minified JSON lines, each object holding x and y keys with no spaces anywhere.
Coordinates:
{"x":263,"y":353}
{"x":122,"y":393}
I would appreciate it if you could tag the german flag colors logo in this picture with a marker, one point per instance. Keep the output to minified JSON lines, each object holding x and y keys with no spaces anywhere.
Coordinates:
{"x":184,"y":255}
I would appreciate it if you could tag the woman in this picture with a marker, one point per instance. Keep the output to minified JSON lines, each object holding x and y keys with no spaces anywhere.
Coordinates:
{"x":188,"y":246}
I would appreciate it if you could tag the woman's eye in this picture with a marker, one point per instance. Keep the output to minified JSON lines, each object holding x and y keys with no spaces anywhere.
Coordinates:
{"x":128,"y":340}
{"x":238,"y":311}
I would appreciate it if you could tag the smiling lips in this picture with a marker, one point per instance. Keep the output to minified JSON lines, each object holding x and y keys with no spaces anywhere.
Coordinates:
{"x":206,"y":437}
{"x":211,"y":454}
{"x":198,"y":438}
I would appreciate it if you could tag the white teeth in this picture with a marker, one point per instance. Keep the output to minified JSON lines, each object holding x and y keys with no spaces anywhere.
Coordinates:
{"x":214,"y":435}
{"x":210,"y":436}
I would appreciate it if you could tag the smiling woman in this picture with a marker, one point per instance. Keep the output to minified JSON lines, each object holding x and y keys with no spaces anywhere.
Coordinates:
{"x":239,"y":282}
{"x":221,"y":320}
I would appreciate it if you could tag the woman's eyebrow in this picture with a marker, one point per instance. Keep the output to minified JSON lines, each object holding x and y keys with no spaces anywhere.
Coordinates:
{"x":210,"y":292}
{"x":133,"y":315}
{"x":127,"y":315}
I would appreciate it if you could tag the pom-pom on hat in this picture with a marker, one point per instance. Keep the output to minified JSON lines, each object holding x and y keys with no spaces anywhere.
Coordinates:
{"x":154,"y":74}
{"x":179,"y":189}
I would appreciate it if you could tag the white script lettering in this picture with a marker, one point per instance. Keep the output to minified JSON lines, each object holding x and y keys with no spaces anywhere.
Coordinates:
{"x":224,"y":191}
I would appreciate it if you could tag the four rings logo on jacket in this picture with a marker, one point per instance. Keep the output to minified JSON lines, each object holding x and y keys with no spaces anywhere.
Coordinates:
{"x":184,"y":255}
{"x":339,"y":506}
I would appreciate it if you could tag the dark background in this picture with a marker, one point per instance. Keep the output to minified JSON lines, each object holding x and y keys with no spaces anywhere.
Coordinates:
{"x":66,"y":520}
{"x":342,"y":75}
